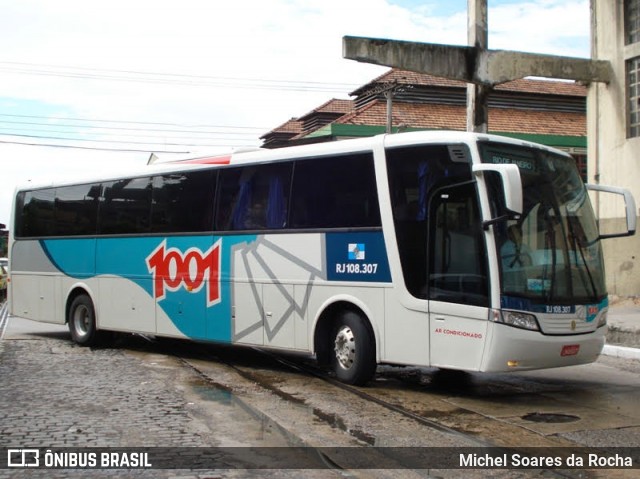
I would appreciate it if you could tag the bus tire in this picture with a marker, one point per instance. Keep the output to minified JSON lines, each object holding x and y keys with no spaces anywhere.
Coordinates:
{"x":353,"y":358}
{"x":82,"y":321}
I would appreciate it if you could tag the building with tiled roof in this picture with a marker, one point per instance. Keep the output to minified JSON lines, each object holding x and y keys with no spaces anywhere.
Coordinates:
{"x":314,"y":120}
{"x":548,"y":112}
{"x":281,"y":135}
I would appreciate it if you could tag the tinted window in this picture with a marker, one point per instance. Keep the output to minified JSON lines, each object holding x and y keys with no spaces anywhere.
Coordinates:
{"x":125,"y":206}
{"x":254,"y":197}
{"x":37,"y":213}
{"x":414,"y":174}
{"x":336,"y":192}
{"x":18,"y":205}
{"x":183,"y":202}
{"x":76,"y":210}
{"x":457,"y":262}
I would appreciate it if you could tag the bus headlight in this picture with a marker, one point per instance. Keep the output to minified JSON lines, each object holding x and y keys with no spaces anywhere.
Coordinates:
{"x":517,"y":319}
{"x":602,"y":320}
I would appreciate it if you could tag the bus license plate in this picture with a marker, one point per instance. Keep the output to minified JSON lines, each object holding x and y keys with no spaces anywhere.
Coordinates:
{"x":570,"y":350}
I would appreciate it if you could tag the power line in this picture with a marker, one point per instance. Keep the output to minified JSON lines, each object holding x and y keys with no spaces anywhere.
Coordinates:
{"x":50,"y":145}
{"x":152,"y":139}
{"x":91,"y":127}
{"x":154,"y":132}
{"x":101,"y":126}
{"x":224,"y":137}
{"x":171,"y":78}
{"x":102,"y":120}
{"x":117,"y":141}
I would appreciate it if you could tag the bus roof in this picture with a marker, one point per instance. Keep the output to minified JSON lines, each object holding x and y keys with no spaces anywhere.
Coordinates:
{"x":261,"y":155}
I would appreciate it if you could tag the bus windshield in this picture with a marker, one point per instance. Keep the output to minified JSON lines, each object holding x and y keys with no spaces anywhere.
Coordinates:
{"x":551,"y":253}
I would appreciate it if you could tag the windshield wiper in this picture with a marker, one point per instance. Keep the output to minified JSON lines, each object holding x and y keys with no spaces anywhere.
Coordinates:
{"x":577,"y":245}
{"x":551,"y":239}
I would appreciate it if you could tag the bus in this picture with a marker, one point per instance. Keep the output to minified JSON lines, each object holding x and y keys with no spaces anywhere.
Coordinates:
{"x":438,"y":249}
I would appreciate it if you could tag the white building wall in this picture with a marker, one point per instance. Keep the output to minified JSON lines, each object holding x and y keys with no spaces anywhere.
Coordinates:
{"x":614,"y":159}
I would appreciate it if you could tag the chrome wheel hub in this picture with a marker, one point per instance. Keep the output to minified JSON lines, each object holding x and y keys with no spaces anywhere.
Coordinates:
{"x":345,"y":347}
{"x":81,"y":320}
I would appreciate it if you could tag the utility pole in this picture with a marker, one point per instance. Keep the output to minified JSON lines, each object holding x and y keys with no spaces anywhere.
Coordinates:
{"x":478,"y":93}
{"x":389,"y":96}
{"x":388,"y":90}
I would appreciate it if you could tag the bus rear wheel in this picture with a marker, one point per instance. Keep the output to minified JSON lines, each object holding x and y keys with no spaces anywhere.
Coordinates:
{"x":353,"y":358}
{"x":82,"y":321}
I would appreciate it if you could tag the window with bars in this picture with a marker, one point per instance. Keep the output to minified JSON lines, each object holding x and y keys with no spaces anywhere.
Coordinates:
{"x":581,"y":163}
{"x":632,"y":21}
{"x":633,"y":92}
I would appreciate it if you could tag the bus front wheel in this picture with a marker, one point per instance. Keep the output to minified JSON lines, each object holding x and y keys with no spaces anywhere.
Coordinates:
{"x":353,"y":358}
{"x":82,"y":321}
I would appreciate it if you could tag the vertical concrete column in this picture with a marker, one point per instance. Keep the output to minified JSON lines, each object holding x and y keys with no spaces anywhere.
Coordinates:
{"x":477,"y":95}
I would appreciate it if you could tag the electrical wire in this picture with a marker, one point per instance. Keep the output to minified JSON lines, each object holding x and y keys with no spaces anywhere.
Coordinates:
{"x":76,"y":147}
{"x":97,"y":130}
{"x":159,"y":134}
{"x":135,"y":76}
{"x":102,"y":120}
{"x":94,"y":127}
{"x":248,"y":139}
{"x":165,"y":143}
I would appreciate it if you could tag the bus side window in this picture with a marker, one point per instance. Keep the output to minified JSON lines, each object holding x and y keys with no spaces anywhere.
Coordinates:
{"x":254,"y":197}
{"x":183,"y":202}
{"x":458,"y":271}
{"x":414,"y":173}
{"x":125,"y":206}
{"x":76,"y":209}
{"x":37,"y":213}
{"x":335,"y":192}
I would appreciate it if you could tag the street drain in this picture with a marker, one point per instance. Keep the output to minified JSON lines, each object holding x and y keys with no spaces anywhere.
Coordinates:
{"x":549,"y":417}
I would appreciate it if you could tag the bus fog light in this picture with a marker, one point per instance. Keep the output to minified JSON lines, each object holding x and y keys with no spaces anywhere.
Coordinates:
{"x":520,"y":320}
{"x":513,"y":363}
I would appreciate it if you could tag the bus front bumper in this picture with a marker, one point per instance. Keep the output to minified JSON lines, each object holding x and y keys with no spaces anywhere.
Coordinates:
{"x":514,"y":349}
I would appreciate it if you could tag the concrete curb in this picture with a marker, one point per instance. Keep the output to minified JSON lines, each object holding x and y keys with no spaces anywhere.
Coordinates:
{"x":621,"y":352}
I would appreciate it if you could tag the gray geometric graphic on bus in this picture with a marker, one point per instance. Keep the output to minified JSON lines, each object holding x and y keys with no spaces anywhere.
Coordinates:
{"x":314,"y":273}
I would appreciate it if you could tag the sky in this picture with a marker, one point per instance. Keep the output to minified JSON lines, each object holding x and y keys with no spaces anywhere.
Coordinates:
{"x":103,"y":84}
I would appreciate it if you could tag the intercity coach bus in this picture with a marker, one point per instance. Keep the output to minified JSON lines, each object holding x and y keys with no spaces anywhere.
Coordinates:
{"x":443,"y":249}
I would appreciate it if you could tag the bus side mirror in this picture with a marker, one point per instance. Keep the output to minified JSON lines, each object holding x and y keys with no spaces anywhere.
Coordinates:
{"x":511,"y":184}
{"x":630,"y":208}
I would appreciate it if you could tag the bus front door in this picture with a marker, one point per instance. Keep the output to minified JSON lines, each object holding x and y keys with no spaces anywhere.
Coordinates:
{"x":458,"y":287}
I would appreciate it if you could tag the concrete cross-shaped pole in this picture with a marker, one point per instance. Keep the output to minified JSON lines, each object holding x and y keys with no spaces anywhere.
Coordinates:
{"x":478,"y":93}
{"x":475,"y":64}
